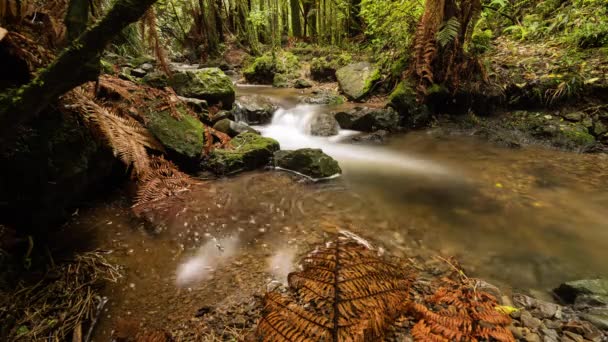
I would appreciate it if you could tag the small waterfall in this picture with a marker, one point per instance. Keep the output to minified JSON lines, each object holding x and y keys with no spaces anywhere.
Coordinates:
{"x":292,"y":129}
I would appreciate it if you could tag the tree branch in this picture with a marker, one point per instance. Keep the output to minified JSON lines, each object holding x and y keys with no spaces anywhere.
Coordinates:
{"x":70,"y":69}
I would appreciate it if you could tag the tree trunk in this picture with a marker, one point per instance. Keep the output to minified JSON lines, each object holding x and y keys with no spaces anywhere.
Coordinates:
{"x":69,"y":69}
{"x":76,"y":18}
{"x":296,"y":24}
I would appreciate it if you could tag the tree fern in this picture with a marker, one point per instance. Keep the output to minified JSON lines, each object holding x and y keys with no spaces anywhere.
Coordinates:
{"x":448,"y":32}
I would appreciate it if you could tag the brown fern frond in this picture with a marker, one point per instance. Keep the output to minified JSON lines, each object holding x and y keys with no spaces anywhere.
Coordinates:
{"x":345,"y":292}
{"x":458,"y":311}
{"x":154,"y":41}
{"x":125,"y":136}
{"x":162,"y":181}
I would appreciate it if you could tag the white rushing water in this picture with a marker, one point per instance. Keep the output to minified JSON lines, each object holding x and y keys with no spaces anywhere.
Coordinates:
{"x":292,"y":127}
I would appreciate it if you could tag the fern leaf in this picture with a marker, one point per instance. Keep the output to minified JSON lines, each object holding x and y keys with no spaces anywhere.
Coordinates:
{"x":125,"y":136}
{"x":448,"y":32}
{"x":345,"y":292}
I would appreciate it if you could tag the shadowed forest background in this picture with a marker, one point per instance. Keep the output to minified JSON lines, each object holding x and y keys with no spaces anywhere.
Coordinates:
{"x":293,"y":170}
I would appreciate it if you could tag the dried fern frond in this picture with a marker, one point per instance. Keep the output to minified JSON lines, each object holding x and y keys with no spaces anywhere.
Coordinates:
{"x":162,"y":181}
{"x":149,"y":20}
{"x":459,"y":311}
{"x":127,"y":138}
{"x":345,"y":292}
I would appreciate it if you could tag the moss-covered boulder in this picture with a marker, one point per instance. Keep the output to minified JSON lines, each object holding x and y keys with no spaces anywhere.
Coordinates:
{"x":248,"y":151}
{"x":553,"y":129}
{"x":209,"y":84}
{"x":323,"y":69}
{"x":584,"y":291}
{"x":279,"y":69}
{"x":403,"y":99}
{"x":368,"y":119}
{"x":309,"y":162}
{"x":156,"y":79}
{"x":356,"y":80}
{"x":183,"y":137}
{"x":324,"y":125}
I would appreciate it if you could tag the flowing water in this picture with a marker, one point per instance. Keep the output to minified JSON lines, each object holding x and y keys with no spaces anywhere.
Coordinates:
{"x":523,"y":219}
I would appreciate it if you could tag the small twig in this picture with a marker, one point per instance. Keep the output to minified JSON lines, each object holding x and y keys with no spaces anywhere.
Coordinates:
{"x":102,"y":303}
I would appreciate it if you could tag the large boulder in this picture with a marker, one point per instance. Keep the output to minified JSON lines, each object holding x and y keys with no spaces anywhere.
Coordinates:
{"x":254,"y":109}
{"x":183,"y":137}
{"x":323,"y":69}
{"x":309,"y":162}
{"x":368,"y":119}
{"x":554,"y":130}
{"x":324,"y":125}
{"x":209,"y":84}
{"x":356,"y":80}
{"x":248,"y":151}
{"x":403,"y":100}
{"x":279,"y":69}
{"x":588,"y":291}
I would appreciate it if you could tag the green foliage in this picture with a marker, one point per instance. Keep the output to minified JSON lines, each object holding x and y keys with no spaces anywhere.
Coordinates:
{"x":390,"y":28}
{"x":581,"y":23}
{"x":481,"y":41}
{"x":264,"y":69}
{"x":448,"y":31}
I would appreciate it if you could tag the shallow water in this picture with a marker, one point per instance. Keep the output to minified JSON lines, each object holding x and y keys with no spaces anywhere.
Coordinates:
{"x":527,"y":219}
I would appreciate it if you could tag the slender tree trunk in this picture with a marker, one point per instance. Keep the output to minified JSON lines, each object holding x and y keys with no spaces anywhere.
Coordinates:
{"x":296,"y":24}
{"x":76,"y":18}
{"x":69,"y":69}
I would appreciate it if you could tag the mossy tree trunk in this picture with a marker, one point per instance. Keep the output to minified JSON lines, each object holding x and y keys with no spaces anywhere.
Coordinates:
{"x":70,"y":69}
{"x":296,"y":24}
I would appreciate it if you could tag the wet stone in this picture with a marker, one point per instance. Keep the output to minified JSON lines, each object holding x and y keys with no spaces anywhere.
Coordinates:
{"x":549,"y":335}
{"x":530,"y":322}
{"x":532,"y":338}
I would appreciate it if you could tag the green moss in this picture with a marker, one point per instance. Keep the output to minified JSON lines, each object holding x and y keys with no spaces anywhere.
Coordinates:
{"x":210,"y":84}
{"x":184,"y":136}
{"x":249,"y":151}
{"x":264,"y":69}
{"x":310,"y":162}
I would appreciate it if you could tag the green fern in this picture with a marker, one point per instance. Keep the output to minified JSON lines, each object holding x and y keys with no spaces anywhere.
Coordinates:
{"x":448,"y":32}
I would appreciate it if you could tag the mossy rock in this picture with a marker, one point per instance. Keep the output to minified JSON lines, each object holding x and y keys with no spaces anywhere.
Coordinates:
{"x":248,"y":151}
{"x":323,"y":69}
{"x":553,"y":129}
{"x":156,"y":79}
{"x":368,"y":119}
{"x":183,"y":137}
{"x":356,"y":80}
{"x":309,"y":162}
{"x":403,"y":99}
{"x":278,"y":69}
{"x":210,"y":84}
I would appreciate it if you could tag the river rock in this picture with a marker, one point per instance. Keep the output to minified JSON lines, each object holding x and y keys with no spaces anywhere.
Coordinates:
{"x":528,"y":321}
{"x":588,"y":291}
{"x":377,"y":137}
{"x":147,"y":67}
{"x":248,"y":151}
{"x":307,"y":161}
{"x":210,"y":84}
{"x":356,"y":80}
{"x":368,"y":120}
{"x":254,"y":109}
{"x":156,"y":79}
{"x":301,"y":83}
{"x":324,"y":125}
{"x":403,"y":99}
{"x":183,"y":138}
{"x":276,"y":68}
{"x":233,"y":128}
{"x":137,"y":72}
{"x":323,"y":98}
{"x":197,"y":105}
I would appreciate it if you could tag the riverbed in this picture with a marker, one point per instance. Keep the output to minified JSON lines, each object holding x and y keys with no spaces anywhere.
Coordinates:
{"x":524,"y":219}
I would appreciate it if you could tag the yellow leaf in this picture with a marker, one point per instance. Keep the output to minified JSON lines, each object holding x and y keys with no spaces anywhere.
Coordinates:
{"x":499,"y":185}
{"x":505,"y":309}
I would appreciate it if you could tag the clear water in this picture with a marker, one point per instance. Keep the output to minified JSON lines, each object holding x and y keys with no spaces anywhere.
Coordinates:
{"x":526,"y":219}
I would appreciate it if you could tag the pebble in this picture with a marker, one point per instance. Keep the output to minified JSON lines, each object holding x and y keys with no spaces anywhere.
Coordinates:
{"x":573,"y":336}
{"x":549,"y":335}
{"x":533,"y":338}
{"x":530,"y":322}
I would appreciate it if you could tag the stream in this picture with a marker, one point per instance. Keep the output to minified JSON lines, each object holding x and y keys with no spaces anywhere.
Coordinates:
{"x":523,"y":219}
